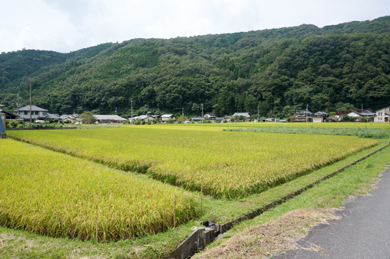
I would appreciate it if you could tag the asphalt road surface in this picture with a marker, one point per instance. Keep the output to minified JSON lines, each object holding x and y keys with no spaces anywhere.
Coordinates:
{"x":363,"y":232}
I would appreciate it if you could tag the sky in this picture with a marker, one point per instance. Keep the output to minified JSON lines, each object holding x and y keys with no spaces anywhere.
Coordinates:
{"x":69,"y":25}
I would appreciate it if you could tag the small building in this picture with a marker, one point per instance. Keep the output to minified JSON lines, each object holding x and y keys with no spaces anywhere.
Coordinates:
{"x":50,"y":116}
{"x":368,"y":114}
{"x":382,"y":115}
{"x":197,"y":119}
{"x":109,"y":119}
{"x":210,"y":116}
{"x":145,"y":118}
{"x":245,"y":115}
{"x":37,"y":113}
{"x":321,"y":116}
{"x":74,"y":118}
{"x":166,"y":117}
{"x":227,"y":118}
{"x":303,"y":116}
{"x":8,"y":115}
{"x":355,"y":115}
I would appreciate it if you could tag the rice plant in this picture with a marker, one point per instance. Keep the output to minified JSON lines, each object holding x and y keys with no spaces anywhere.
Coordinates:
{"x":61,"y":196}
{"x":227,"y":164}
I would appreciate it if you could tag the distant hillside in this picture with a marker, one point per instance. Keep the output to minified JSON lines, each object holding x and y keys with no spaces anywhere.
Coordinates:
{"x":281,"y":70}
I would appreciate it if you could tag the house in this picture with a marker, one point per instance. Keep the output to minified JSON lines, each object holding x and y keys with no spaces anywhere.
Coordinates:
{"x":368,"y":114}
{"x":166,"y":117}
{"x":355,"y":115}
{"x":382,"y":115}
{"x":243,"y":114}
{"x":8,"y":115}
{"x":109,"y":119}
{"x":37,"y":113}
{"x":50,"y":116}
{"x":303,"y":116}
{"x":145,"y":118}
{"x":321,"y":116}
{"x":210,"y":116}
{"x":227,"y":118}
{"x":74,"y":118}
{"x":197,"y":119}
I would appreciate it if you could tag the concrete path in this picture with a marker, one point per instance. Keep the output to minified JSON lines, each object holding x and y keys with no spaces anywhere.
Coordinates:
{"x":363,"y":232}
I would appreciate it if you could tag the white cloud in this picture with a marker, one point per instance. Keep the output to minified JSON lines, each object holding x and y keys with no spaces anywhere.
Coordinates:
{"x":73,"y":24}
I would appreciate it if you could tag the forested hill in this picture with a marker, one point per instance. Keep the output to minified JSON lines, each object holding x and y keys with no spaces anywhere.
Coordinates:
{"x":332,"y":68}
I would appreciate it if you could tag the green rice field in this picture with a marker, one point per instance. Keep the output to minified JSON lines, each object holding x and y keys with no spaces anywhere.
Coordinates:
{"x":227,"y":164}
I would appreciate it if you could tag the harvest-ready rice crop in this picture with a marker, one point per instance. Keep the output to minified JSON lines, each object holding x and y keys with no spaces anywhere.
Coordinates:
{"x":61,"y":196}
{"x":227,"y":164}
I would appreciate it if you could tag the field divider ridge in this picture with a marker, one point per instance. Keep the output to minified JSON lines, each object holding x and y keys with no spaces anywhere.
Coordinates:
{"x":201,"y":237}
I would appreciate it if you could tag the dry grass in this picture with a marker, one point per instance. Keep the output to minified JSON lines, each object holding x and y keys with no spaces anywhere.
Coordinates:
{"x":277,"y":236}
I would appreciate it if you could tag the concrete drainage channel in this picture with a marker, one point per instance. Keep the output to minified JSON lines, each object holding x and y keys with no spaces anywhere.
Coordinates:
{"x":202,"y":236}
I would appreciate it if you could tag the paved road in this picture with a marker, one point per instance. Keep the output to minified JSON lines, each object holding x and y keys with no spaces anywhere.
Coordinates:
{"x":363,"y":232}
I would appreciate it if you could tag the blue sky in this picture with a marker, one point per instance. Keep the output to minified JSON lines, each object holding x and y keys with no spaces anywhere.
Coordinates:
{"x":68,"y":25}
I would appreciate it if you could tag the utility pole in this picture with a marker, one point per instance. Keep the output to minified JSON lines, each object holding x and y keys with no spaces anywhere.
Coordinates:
{"x":30,"y":102}
{"x":18,"y":104}
{"x":202,"y":113}
{"x":182,"y":111}
{"x":116,"y":111}
{"x":258,"y":113}
{"x":131,"y":111}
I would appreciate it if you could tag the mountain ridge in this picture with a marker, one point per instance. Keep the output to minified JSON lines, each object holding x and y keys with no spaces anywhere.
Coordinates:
{"x":281,"y":70}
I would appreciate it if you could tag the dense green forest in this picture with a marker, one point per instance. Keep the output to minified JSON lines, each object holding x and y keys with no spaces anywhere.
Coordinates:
{"x":280,"y":71}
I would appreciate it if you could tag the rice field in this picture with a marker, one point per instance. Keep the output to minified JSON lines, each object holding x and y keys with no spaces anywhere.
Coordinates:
{"x":62,"y":196}
{"x":226,"y":164}
{"x":374,"y":133}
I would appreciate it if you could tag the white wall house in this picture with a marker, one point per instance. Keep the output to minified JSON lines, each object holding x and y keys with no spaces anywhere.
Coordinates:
{"x":37,"y":113}
{"x":109,"y":119}
{"x":321,"y":116}
{"x":210,"y":116}
{"x":382,"y":115}
{"x":354,"y":115}
{"x":166,"y":117}
{"x":243,"y":114}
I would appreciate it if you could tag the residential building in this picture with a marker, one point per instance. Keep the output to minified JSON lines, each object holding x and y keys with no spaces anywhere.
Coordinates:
{"x":243,"y":114}
{"x":37,"y":113}
{"x":166,"y":117}
{"x":50,"y":116}
{"x":303,"y":116}
{"x":109,"y":119}
{"x":8,"y":115}
{"x":368,"y":114}
{"x":320,"y":116}
{"x":210,"y":116}
{"x":382,"y":115}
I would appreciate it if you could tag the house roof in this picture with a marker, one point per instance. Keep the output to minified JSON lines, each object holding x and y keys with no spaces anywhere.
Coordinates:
{"x":6,"y":112}
{"x":197,"y":119}
{"x":109,"y":117}
{"x":241,"y":114}
{"x":52,"y":116}
{"x":167,"y":115}
{"x":306,"y":112}
{"x":321,"y":113}
{"x":33,"y":108}
{"x":211,"y":114}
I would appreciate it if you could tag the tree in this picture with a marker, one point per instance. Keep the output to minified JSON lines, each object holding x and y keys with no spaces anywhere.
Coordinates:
{"x":87,"y":117}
